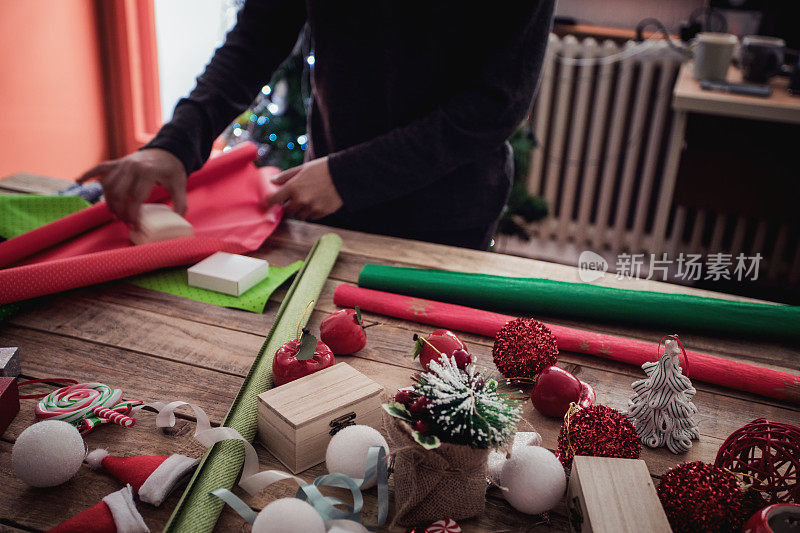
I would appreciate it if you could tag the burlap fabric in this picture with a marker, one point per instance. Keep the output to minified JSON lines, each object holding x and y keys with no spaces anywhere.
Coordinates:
{"x":429,"y":485}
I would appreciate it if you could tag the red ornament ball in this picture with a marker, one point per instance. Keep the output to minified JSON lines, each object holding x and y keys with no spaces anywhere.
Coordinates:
{"x":701,"y":497}
{"x":523,"y":348}
{"x":598,"y":431}
{"x":768,"y":454}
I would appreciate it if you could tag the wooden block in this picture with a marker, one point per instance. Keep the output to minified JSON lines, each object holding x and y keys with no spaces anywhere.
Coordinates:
{"x":9,"y":362}
{"x":9,"y":401}
{"x":297,"y":420}
{"x":158,"y":222}
{"x":228,"y":273}
{"x":609,"y":495}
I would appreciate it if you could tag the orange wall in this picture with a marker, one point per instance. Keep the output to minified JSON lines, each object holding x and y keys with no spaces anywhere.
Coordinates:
{"x":52,"y":112}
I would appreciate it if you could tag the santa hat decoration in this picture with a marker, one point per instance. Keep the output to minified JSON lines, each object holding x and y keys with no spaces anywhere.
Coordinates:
{"x":153,"y":477}
{"x":116,"y":513}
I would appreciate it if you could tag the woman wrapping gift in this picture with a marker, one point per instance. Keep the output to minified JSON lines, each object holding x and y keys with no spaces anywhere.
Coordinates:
{"x":412,"y":105}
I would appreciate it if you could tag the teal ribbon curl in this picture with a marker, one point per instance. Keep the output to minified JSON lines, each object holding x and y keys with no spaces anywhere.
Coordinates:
{"x":326,"y":506}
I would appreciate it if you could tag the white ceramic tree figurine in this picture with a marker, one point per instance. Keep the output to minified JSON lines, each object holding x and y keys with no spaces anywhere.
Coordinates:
{"x":661,"y":409}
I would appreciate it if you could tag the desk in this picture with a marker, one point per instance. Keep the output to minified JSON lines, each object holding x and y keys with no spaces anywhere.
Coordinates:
{"x":688,"y":97}
{"x":156,"y":346}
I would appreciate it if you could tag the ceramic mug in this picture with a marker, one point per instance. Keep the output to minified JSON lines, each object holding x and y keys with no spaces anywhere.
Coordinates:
{"x":762,"y":57}
{"x":712,"y":55}
{"x":776,"y":518}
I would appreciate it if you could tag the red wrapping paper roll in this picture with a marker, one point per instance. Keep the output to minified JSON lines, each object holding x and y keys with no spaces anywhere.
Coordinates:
{"x":703,"y":367}
{"x":226,"y":208}
{"x":58,"y":231}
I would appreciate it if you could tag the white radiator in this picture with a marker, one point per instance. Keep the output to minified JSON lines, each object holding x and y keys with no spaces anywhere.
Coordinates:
{"x":604,"y":128}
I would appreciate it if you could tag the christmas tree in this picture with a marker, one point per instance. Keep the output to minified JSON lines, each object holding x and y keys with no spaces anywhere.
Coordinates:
{"x":661,"y":409}
{"x":457,"y":405}
{"x":465,"y":408}
{"x":276,"y":120}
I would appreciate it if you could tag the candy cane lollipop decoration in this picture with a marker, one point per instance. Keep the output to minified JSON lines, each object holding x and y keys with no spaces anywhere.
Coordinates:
{"x":115,"y":417}
{"x":79,"y":403}
{"x":125,"y":407}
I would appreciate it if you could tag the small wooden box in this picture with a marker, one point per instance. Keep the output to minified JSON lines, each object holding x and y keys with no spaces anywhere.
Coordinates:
{"x":297,"y":420}
{"x":9,"y":362}
{"x":609,"y":495}
{"x":9,"y":401}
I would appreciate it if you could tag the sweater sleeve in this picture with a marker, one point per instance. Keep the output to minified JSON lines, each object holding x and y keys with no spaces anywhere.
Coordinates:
{"x":471,"y":123}
{"x":263,"y":37}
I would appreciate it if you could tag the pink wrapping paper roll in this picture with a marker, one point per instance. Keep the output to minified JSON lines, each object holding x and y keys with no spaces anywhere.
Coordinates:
{"x":711,"y":369}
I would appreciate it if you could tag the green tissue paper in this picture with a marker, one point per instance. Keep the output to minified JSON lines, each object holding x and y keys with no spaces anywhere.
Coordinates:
{"x":21,"y":213}
{"x":173,"y":281}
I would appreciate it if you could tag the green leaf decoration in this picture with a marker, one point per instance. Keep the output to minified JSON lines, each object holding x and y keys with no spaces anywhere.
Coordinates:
{"x":419,"y":344}
{"x":397,"y":410}
{"x":358,"y":316}
{"x":308,"y":344}
{"x":429,"y":442}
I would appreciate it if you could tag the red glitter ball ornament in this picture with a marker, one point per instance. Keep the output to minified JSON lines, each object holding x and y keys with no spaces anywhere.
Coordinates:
{"x":768,"y":455}
{"x":701,"y":497}
{"x":598,"y":431}
{"x":523,"y":348}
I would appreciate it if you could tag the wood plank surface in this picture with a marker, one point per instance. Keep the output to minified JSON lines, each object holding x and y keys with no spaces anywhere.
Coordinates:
{"x":156,"y":346}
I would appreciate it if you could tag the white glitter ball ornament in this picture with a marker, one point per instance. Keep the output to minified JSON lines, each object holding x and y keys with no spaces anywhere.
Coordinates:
{"x":48,"y":453}
{"x":498,"y":458}
{"x":347,"y":451}
{"x":288,"y":515}
{"x":535,"y":480}
{"x":345,"y":526}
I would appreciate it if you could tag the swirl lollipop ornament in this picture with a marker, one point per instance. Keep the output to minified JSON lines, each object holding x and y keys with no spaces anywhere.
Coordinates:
{"x":86,"y":406}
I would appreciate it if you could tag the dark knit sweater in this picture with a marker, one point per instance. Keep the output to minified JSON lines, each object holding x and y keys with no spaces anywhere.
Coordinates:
{"x":413,"y":101}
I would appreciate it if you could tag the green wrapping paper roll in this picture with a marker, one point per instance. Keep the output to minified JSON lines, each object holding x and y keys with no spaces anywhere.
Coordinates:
{"x":668,"y":312}
{"x":198,"y":511}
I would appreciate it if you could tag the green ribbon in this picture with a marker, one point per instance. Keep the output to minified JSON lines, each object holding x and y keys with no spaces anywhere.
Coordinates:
{"x":198,"y":510}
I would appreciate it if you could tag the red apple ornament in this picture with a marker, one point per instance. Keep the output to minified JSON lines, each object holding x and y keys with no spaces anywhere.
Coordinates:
{"x":556,"y":388}
{"x":300,"y":357}
{"x":343,"y":332}
{"x":437,"y":343}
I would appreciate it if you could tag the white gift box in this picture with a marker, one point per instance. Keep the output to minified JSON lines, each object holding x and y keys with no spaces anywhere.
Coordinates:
{"x":158,"y":222}
{"x":228,"y":273}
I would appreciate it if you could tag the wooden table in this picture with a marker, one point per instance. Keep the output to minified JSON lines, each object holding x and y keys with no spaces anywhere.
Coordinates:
{"x":156,"y":346}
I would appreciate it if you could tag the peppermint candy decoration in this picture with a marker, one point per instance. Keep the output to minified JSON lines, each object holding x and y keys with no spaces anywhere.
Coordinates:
{"x":444,"y":526}
{"x":86,"y":405}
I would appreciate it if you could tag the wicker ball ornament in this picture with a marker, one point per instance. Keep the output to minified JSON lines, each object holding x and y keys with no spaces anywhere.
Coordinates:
{"x":524,"y":347}
{"x":701,"y":497}
{"x":598,"y":431}
{"x":767,"y":454}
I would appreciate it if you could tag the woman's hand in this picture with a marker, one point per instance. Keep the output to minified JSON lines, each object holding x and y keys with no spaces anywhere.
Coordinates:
{"x":127,"y":182}
{"x":307,"y":191}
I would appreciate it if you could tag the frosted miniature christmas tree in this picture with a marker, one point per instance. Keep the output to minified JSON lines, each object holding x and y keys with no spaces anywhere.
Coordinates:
{"x":661,"y":409}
